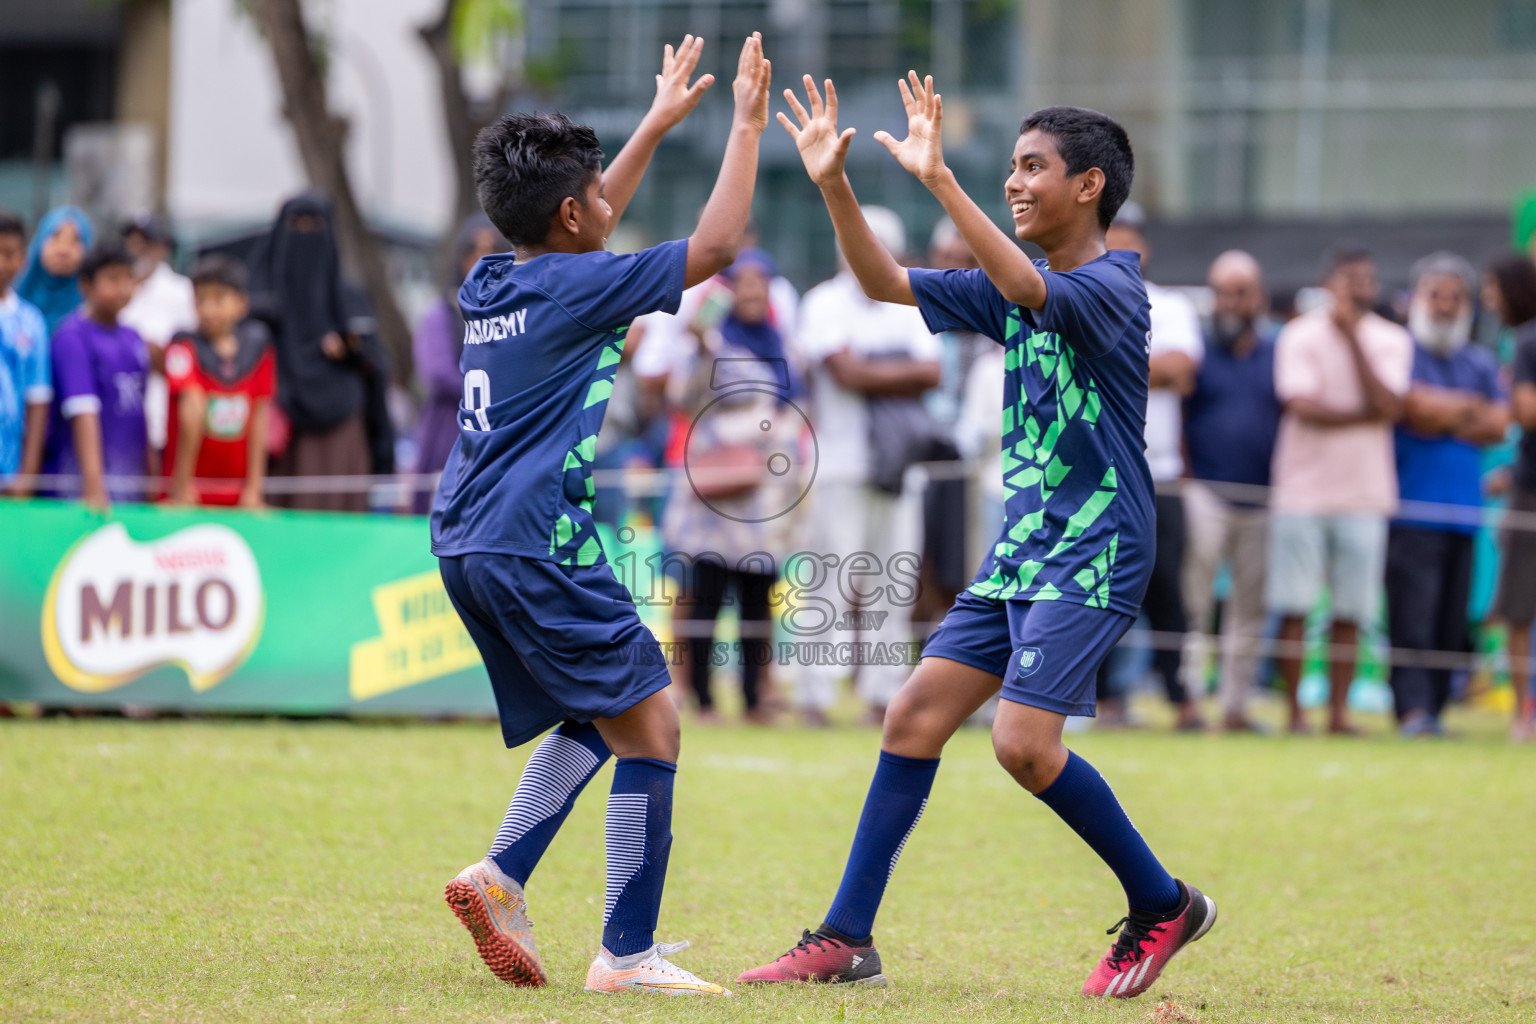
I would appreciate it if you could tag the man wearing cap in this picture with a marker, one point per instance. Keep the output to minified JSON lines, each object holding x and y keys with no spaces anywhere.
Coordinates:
{"x":160,"y":308}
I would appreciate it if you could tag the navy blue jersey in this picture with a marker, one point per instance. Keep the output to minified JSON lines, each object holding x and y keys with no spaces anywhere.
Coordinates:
{"x":541,"y":347}
{"x":1079,"y":524}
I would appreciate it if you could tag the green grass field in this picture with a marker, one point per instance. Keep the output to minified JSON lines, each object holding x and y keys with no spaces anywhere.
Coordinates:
{"x":254,"y":871}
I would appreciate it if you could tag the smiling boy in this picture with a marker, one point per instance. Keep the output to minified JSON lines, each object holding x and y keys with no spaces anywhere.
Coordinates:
{"x":1065,"y":578}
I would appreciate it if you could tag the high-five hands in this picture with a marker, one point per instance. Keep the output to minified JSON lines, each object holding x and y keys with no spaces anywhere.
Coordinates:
{"x":823,"y":150}
{"x":921,"y":152}
{"x":753,"y":76}
{"x":675,"y":98}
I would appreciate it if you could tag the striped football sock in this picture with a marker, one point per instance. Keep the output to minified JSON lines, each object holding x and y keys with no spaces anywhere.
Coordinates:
{"x":554,"y":777}
{"x":639,"y":843}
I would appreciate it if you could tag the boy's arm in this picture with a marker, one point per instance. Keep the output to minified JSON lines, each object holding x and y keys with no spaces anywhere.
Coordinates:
{"x":191,"y":403}
{"x":34,"y":433}
{"x":825,"y":151}
{"x":37,"y":394}
{"x":922,"y":154}
{"x":716,"y":241}
{"x":86,"y":429}
{"x":675,"y":100}
{"x":256,"y":455}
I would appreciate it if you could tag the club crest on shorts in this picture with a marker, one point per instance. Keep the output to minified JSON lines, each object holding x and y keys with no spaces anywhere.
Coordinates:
{"x":1030,"y":659}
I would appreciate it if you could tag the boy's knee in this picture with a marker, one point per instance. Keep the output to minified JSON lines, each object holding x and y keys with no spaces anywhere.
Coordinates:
{"x":910,"y":727}
{"x":649,"y":729}
{"x":1025,"y":756}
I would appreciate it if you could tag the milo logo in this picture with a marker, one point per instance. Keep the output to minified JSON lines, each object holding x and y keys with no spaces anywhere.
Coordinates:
{"x":117,"y":608}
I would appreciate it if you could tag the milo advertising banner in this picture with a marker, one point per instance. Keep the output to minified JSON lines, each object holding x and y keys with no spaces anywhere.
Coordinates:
{"x":279,"y":612}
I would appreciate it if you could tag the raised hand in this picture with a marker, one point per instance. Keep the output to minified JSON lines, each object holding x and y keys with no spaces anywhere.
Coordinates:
{"x":675,"y":98}
{"x":753,"y":75}
{"x":822,"y":148}
{"x":921,"y":152}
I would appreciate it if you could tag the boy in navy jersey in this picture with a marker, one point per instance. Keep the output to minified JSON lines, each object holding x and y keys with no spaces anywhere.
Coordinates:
{"x":1066,"y":576}
{"x":512,"y":522}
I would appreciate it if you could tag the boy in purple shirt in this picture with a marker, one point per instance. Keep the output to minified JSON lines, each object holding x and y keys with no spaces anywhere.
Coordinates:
{"x":99,"y":368}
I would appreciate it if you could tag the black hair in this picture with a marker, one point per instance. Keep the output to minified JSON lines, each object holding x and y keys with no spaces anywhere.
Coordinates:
{"x":223,"y":271}
{"x":525,"y":167}
{"x":1342,"y":254}
{"x":1515,"y":276}
{"x":1087,"y":139}
{"x":102,"y":256}
{"x":10,"y":224}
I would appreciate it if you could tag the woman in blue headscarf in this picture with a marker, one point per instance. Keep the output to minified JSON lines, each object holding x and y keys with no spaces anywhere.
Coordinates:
{"x":53,"y":259}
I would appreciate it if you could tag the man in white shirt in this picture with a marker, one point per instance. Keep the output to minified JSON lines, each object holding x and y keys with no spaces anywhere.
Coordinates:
{"x":161,"y":306}
{"x":1174,"y":350}
{"x":859,"y":350}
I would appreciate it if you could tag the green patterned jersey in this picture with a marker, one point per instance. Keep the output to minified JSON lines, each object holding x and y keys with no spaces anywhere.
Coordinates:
{"x":1079,"y":510}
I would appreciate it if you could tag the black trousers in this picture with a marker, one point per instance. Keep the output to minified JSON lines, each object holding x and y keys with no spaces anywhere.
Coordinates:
{"x":1429,"y":580}
{"x":711,"y":582}
{"x":1164,"y":603}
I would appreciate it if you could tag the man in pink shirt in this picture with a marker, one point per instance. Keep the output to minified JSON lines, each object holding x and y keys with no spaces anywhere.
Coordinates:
{"x":1341,"y":373}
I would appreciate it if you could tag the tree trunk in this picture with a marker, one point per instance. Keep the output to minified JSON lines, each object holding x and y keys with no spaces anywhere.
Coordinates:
{"x":320,"y":136}
{"x":458,"y":116}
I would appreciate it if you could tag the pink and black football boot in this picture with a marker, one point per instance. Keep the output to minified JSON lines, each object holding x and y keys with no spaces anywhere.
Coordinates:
{"x":823,"y":956}
{"x":1147,"y":943}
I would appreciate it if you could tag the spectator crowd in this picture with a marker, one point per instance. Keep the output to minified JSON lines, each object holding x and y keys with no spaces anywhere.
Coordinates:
{"x":1308,"y":459}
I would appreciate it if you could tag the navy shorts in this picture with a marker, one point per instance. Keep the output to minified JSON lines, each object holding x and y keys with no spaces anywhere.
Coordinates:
{"x":558,"y":641}
{"x":1047,"y":652}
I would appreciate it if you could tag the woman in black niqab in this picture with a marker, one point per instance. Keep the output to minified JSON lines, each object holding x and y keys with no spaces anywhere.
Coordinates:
{"x":296,"y":286}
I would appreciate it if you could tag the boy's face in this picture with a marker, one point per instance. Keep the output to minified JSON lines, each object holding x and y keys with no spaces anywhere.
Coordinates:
{"x":13,"y":253}
{"x":219,"y":309}
{"x":146,"y":252}
{"x":589,"y":221}
{"x":63,"y":250}
{"x":108,"y":292}
{"x":1042,"y":197}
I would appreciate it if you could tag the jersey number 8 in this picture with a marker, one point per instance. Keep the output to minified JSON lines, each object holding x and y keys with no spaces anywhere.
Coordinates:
{"x":477,"y":395}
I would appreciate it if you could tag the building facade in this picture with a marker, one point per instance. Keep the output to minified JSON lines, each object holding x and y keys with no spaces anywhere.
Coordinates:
{"x":1239,"y":109}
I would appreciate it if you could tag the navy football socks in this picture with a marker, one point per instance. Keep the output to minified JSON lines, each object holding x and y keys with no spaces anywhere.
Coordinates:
{"x":639,"y":843}
{"x":896,"y":799}
{"x":1082,"y":799}
{"x":560,"y":768}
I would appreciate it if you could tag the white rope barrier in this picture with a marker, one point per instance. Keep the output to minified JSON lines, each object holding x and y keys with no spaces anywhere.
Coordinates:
{"x":650,"y":483}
